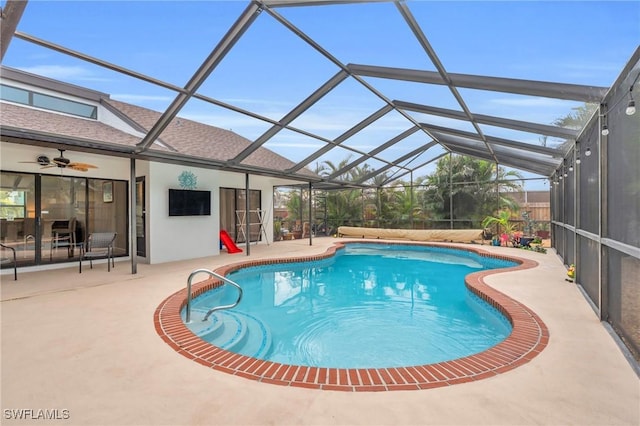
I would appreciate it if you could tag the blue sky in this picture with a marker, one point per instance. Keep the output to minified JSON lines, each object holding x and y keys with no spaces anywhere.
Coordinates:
{"x":270,"y":70}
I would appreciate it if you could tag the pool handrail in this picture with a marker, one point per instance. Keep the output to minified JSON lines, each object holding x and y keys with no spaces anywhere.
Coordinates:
{"x":217,"y":308}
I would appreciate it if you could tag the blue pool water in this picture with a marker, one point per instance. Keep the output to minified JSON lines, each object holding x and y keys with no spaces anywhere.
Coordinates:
{"x":370,"y":306}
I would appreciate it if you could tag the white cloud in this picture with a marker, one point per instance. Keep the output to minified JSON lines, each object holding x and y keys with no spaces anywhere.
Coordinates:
{"x":248,"y":101}
{"x":248,"y":127}
{"x":128,"y":97}
{"x":529,"y":102}
{"x":296,"y":145}
{"x":60,"y":72}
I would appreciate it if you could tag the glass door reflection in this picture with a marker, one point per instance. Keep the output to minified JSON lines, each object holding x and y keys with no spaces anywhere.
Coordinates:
{"x":63,"y":213}
{"x":18,"y":214}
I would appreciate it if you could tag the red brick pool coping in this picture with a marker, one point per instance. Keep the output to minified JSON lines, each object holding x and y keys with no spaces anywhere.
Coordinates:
{"x":528,"y":338}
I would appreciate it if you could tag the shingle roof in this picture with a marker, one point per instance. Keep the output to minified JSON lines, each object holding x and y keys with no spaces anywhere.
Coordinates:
{"x":38,"y":121}
{"x":183,"y":136}
{"x":204,"y":141}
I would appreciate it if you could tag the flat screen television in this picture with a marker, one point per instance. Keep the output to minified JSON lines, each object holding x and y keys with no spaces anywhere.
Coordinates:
{"x":189,"y":202}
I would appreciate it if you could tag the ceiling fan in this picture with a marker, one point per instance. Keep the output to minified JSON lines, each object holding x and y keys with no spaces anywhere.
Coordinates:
{"x":61,"y":162}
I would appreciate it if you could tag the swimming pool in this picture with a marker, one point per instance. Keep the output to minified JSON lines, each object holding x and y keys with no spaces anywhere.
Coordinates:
{"x":528,"y":337}
{"x":369,"y":306}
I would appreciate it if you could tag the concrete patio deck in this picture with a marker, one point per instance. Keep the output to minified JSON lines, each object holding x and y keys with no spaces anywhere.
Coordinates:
{"x":84,"y":348}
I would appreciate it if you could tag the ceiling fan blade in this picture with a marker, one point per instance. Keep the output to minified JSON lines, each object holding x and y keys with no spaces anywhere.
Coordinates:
{"x":61,"y":162}
{"x":83,"y":165}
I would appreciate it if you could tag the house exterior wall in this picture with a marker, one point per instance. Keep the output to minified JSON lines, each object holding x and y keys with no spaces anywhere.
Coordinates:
{"x":12,"y":155}
{"x":188,"y":237}
{"x":167,"y":238}
{"x":183,"y":237}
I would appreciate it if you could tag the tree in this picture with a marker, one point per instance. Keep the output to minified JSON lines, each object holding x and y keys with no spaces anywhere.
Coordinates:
{"x":575,"y":120}
{"x":471,"y":188}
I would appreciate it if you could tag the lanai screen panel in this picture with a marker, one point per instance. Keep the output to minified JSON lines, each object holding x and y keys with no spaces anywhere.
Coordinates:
{"x":380,"y":131}
{"x":378,"y":36}
{"x":286,"y":53}
{"x":294,"y":146}
{"x":526,"y":108}
{"x":339,"y":110}
{"x":414,"y":92}
{"x":260,"y":74}
{"x":203,"y":111}
{"x":589,"y":170}
{"x":623,"y":157}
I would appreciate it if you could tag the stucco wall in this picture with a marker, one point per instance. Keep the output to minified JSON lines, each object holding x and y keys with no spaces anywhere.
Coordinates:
{"x":178,"y":238}
{"x":167,"y":238}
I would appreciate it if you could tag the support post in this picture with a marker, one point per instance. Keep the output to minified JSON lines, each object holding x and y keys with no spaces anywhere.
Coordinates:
{"x":246,"y":214}
{"x":450,"y":190}
{"x":310,"y":215}
{"x":411,"y":201}
{"x":132,"y":217}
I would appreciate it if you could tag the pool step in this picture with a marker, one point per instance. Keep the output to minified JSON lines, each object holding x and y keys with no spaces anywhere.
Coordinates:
{"x":258,"y":341}
{"x":234,"y":331}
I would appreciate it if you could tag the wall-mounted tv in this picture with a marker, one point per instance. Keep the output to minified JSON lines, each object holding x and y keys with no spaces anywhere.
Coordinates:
{"x":189,"y":202}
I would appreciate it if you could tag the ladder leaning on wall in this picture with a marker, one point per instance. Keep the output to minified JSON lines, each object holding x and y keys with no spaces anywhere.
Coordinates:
{"x":241,"y":216}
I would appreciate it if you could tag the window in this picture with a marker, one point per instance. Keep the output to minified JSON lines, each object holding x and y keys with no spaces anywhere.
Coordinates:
{"x":12,"y":204}
{"x":52,"y":103}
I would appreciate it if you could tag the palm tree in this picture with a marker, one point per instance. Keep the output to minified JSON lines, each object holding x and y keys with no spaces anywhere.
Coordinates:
{"x":502,"y":220}
{"x":575,"y":120}
{"x":470,"y":194}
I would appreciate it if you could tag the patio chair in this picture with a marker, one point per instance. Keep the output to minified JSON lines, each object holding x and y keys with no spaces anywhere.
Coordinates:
{"x":64,"y":232}
{"x":7,"y":260}
{"x":99,"y":245}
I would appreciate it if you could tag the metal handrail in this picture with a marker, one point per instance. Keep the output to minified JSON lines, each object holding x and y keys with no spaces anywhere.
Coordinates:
{"x":217,"y":308}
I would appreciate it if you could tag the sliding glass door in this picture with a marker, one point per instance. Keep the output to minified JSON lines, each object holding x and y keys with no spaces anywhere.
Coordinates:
{"x":45,"y":218}
{"x":63,"y":211}
{"x":18,"y":214}
{"x":233,"y":218}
